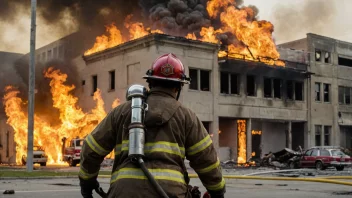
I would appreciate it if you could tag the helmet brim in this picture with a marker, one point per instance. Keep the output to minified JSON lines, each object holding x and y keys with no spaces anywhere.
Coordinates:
{"x":167,"y":79}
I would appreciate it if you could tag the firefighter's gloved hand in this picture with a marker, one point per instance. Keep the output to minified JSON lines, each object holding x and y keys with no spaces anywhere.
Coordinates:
{"x":87,"y":187}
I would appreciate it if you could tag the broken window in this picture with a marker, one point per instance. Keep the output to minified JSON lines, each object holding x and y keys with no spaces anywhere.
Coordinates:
{"x":277,"y":88}
{"x":299,"y":91}
{"x":347,"y":95}
{"x":327,"y":133}
{"x":112,"y":80}
{"x":317,"y":135}
{"x":345,"y":62}
{"x":289,"y":90}
{"x":204,"y":80}
{"x":267,"y":88}
{"x":251,"y":89}
{"x":234,"y":84}
{"x":327,"y":57}
{"x":193,"y":74}
{"x":341,"y":95}
{"x":224,"y":83}
{"x":95,"y":83}
{"x":326,"y":88}
{"x":317,"y":55}
{"x":317,"y":91}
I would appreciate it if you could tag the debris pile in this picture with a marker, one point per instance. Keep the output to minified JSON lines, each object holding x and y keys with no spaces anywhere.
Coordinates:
{"x":282,"y":159}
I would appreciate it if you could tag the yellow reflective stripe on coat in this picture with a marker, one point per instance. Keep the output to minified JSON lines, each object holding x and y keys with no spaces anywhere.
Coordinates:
{"x":209,"y":168}
{"x":216,"y":187}
{"x":84,"y":175}
{"x":200,"y":146}
{"x":95,"y":146}
{"x":121,"y":147}
{"x":159,"y":174}
{"x":166,"y":147}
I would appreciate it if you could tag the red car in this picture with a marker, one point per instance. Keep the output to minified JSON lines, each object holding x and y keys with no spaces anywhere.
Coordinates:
{"x":324,"y":157}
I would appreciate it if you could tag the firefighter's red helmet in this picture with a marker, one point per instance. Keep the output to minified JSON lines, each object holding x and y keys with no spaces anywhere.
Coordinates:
{"x":169,"y":68}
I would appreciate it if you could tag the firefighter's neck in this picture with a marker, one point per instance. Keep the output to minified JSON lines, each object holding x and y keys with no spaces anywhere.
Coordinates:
{"x":171,"y":91}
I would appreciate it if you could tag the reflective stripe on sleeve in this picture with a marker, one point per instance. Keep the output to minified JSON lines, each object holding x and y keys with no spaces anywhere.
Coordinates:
{"x":216,"y":187}
{"x":159,"y":174}
{"x":84,"y":175}
{"x":95,"y":146}
{"x":200,"y":146}
{"x":209,"y":168}
{"x":166,"y":147}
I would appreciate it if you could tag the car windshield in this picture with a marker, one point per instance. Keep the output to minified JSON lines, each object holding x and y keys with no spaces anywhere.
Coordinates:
{"x":337,"y":153}
{"x":79,"y":142}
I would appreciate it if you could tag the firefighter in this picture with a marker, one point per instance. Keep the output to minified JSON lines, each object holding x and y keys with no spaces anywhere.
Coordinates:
{"x":173,"y":133}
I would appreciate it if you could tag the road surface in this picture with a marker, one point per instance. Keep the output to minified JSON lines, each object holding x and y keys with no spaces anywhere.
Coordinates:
{"x":59,"y":188}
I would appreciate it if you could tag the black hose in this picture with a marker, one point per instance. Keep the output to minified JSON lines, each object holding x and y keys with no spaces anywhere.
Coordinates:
{"x":151,"y":179}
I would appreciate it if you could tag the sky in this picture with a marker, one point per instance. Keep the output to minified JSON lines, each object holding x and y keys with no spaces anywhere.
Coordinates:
{"x":292,"y":19}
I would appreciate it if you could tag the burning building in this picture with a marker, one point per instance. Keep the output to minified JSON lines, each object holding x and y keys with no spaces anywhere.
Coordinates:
{"x":250,"y":99}
{"x":252,"y":96}
{"x":257,"y":107}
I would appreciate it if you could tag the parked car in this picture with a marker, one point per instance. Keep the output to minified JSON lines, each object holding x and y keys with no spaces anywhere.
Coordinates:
{"x":39,"y":156}
{"x":324,"y":157}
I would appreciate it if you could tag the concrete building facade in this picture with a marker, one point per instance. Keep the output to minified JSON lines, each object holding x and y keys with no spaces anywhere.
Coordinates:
{"x":305,"y":103}
{"x":271,"y":100}
{"x":330,"y":110}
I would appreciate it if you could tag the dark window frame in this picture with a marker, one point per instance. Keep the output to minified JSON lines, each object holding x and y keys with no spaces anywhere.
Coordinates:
{"x":317,"y":92}
{"x":199,"y":81}
{"x":112,"y":80}
{"x":94,"y":85}
{"x":318,"y":133}
{"x":254,"y":85}
{"x":302,"y":90}
{"x":266,"y":88}
{"x":226,"y":85}
{"x":328,"y":93}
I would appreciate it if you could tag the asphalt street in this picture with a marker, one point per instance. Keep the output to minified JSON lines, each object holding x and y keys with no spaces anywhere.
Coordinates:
{"x":60,"y":188}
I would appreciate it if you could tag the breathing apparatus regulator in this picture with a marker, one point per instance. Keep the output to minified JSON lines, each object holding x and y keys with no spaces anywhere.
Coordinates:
{"x":137,"y":94}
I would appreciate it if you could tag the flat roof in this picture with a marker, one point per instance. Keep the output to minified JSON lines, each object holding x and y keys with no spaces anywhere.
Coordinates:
{"x":150,"y":39}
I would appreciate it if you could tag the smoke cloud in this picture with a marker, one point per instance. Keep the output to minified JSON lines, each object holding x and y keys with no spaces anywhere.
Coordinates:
{"x":311,"y":16}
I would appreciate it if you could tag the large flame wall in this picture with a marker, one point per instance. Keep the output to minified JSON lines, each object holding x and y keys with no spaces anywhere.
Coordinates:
{"x":73,"y":121}
{"x":246,"y":37}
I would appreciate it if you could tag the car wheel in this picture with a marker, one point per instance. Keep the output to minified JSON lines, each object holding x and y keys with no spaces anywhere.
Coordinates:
{"x":319,"y":165}
{"x":43,"y":164}
{"x":340,"y":168}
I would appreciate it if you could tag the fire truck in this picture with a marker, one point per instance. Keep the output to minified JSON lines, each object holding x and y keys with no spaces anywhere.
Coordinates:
{"x":71,"y":151}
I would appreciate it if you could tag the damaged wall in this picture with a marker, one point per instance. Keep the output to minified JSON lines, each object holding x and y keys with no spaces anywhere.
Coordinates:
{"x":274,"y":136}
{"x":228,"y":138}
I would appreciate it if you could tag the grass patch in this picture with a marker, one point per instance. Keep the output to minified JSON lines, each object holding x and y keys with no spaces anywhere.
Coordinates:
{"x":20,"y":173}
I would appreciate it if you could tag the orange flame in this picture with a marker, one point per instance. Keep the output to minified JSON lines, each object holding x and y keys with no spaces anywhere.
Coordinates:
{"x":242,"y":142}
{"x":253,"y":38}
{"x":73,"y":121}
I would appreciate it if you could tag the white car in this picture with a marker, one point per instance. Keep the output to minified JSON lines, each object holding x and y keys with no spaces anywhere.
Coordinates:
{"x":39,"y":156}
